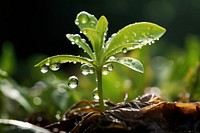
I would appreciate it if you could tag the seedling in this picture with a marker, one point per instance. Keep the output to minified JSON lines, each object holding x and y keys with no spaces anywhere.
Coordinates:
{"x":101,"y":52}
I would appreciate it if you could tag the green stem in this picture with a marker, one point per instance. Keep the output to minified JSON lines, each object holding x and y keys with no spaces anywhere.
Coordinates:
{"x":100,"y":88}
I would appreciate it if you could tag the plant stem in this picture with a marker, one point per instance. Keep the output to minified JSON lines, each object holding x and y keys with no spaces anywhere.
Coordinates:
{"x":100,"y":88}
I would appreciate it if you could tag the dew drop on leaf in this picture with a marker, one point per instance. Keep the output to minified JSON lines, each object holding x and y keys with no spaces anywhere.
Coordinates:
{"x":124,"y":50}
{"x":85,"y":69}
{"x":47,"y":63}
{"x":110,"y":67}
{"x":72,"y":82}
{"x":83,"y":18}
{"x":84,"y":32}
{"x":54,"y":66}
{"x":95,"y":94}
{"x":76,"y":39}
{"x":91,"y":70}
{"x":76,"y":22}
{"x":105,"y":70}
{"x":44,"y":69}
{"x":92,"y":24}
{"x":112,"y":58}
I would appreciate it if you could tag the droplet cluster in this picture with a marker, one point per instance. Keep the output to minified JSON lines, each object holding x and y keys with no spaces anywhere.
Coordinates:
{"x":106,"y":69}
{"x":85,"y":20}
{"x":87,"y":69}
{"x":54,"y":67}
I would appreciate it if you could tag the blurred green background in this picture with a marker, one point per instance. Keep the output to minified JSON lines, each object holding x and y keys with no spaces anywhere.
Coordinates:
{"x":31,"y":30}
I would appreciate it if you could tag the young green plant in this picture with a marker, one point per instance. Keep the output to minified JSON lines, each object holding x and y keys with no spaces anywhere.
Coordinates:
{"x":101,"y":53}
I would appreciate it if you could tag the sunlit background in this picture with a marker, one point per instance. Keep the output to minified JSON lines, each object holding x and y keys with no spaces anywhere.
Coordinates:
{"x":31,"y":30}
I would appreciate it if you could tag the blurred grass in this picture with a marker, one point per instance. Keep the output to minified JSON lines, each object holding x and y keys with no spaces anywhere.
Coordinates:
{"x":173,"y":73}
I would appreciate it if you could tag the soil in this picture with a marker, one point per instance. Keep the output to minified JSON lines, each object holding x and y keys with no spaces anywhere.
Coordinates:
{"x":145,"y":114}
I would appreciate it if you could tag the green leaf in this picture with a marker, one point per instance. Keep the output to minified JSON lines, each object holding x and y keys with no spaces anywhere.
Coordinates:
{"x":123,"y":48}
{"x":129,"y":62}
{"x":21,"y":127}
{"x":64,"y":59}
{"x":97,"y":36}
{"x":81,"y":43}
{"x":85,"y":20}
{"x":95,"y":39}
{"x":10,"y":90}
{"x":102,"y":27}
{"x":133,"y":36}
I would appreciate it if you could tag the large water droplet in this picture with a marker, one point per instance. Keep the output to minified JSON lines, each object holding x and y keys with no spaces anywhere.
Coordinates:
{"x":112,"y":58}
{"x":85,"y":69}
{"x":95,"y":94}
{"x":124,"y":50}
{"x":54,"y":66}
{"x":76,"y":38}
{"x":72,"y":82}
{"x":105,"y":70}
{"x":83,"y":17}
{"x":110,"y":67}
{"x":44,"y":69}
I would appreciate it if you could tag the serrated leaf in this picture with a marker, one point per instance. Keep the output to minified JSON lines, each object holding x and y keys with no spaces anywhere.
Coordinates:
{"x":129,"y":62}
{"x":134,"y":36}
{"x":64,"y":59}
{"x":85,"y":20}
{"x":81,"y":43}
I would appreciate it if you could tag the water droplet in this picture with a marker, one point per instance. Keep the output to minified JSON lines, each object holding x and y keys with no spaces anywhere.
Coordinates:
{"x":92,"y":23}
{"x":84,"y":32}
{"x":95,"y":94}
{"x":83,"y":17}
{"x":124,"y":50}
{"x":83,"y":40}
{"x":112,"y":58}
{"x":76,"y":39}
{"x":47,"y":63}
{"x":76,"y":22}
{"x":68,"y":35}
{"x":114,"y":34}
{"x":85,"y":69}
{"x":110,"y":67}
{"x":72,"y":82}
{"x":140,"y":46}
{"x":54,"y":66}
{"x":105,"y":70}
{"x":91,"y":70}
{"x":44,"y":69}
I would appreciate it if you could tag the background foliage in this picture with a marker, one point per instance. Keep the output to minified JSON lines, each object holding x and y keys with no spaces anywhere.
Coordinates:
{"x":32,"y":30}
